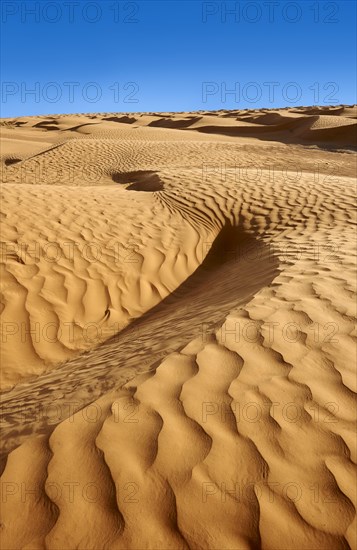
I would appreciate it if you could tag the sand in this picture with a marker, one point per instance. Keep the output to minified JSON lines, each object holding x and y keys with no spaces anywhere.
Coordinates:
{"x":178,"y":330}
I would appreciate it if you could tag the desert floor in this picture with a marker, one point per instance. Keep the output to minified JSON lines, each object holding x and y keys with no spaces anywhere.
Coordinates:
{"x":178,"y":330}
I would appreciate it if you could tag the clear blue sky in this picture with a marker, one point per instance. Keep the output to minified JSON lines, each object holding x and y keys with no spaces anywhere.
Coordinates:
{"x":79,"y":56}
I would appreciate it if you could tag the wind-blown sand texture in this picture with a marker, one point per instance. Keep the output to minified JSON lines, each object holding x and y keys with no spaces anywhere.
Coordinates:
{"x":178,"y":330}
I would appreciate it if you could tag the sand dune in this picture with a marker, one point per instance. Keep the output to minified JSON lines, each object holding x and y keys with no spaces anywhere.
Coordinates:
{"x":178,"y":330}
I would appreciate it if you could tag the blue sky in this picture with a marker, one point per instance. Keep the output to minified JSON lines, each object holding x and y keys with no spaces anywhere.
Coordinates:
{"x":79,"y":56}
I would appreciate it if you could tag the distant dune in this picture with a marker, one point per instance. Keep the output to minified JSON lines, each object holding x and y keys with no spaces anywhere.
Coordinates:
{"x":178,"y":330}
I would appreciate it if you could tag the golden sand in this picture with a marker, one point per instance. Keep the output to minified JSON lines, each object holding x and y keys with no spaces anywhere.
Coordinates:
{"x":178,"y":330}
